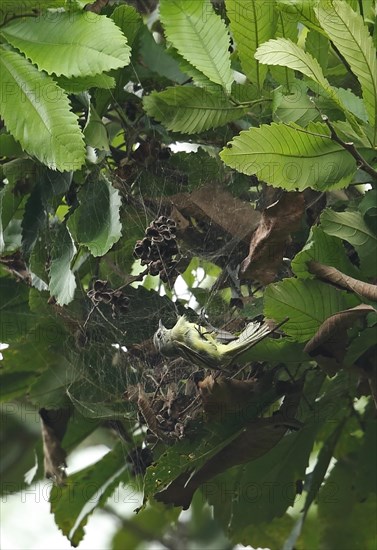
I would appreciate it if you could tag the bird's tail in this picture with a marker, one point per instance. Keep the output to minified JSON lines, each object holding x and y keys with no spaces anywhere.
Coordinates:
{"x":251,"y":335}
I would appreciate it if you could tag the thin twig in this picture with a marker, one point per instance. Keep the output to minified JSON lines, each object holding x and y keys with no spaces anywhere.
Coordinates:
{"x":349,"y":146}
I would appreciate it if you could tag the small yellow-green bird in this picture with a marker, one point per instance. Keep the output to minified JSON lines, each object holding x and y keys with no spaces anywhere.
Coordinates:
{"x":202,"y":347}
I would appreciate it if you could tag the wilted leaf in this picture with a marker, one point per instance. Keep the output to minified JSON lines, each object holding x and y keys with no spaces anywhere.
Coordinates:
{"x":54,"y":424}
{"x":333,"y":275}
{"x":272,"y":236}
{"x":329,"y":344}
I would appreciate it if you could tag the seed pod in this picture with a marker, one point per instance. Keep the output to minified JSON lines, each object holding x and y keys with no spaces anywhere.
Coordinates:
{"x":99,"y":285}
{"x":154,"y":268}
{"x":151,"y":232}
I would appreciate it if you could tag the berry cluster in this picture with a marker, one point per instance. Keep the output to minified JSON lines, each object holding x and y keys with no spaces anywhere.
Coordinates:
{"x":158,"y":247}
{"x":101,"y":292}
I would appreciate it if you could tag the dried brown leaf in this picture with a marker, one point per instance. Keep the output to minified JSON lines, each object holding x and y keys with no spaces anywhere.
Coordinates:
{"x":223,"y":397}
{"x":272,"y":236}
{"x":329,"y":344}
{"x":16,"y":265}
{"x":232,"y":215}
{"x":54,"y":424}
{"x":333,"y":275}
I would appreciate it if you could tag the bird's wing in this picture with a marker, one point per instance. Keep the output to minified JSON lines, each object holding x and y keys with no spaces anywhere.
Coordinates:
{"x":201,"y":359}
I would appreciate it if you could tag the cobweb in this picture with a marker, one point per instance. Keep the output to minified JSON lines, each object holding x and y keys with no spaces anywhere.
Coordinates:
{"x":117,"y":377}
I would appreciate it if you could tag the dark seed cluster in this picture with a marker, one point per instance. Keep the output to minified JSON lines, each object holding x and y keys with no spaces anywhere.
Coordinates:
{"x":102,"y":293}
{"x":157,"y":248}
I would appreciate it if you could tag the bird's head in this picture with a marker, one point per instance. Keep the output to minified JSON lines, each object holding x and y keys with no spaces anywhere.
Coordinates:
{"x":160,"y":337}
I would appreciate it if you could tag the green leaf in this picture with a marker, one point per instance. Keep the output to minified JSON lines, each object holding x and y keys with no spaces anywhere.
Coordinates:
{"x":265,"y":487}
{"x":27,"y":360}
{"x":286,"y":28}
{"x":290,"y":157}
{"x":16,"y":318}
{"x":315,"y":479}
{"x":50,"y":390}
{"x":9,"y":147}
{"x":368,"y":208}
{"x":317,"y":45}
{"x":276,"y":351}
{"x":47,"y":128}
{"x":351,"y":227}
{"x":200,"y":36}
{"x":129,"y":21}
{"x":347,"y":32}
{"x":95,"y":131}
{"x":325,"y":249}
{"x":252,"y":23}
{"x":270,"y":534}
{"x":9,"y":202}
{"x":306,"y":303}
{"x":198,"y":78}
{"x":148,"y":525}
{"x":34,"y":219}
{"x":158,"y":59}
{"x":293,"y":105}
{"x":62,"y":281}
{"x":191,"y":110}
{"x":300,"y":11}
{"x":364,"y":341}
{"x":97,"y":227}
{"x":352,"y":103}
{"x":85,"y":491}
{"x":345,"y":520}
{"x":70,"y":44}
{"x":49,"y":185}
{"x":284,"y":52}
{"x":80,"y":84}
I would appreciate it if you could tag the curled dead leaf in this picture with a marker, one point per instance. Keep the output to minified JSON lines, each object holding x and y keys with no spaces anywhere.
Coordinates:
{"x":329,"y":344}
{"x":225,"y":397}
{"x":272,"y":236}
{"x":333,"y":275}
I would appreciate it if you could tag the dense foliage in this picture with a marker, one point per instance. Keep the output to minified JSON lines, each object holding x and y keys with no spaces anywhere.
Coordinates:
{"x":215,"y":158}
